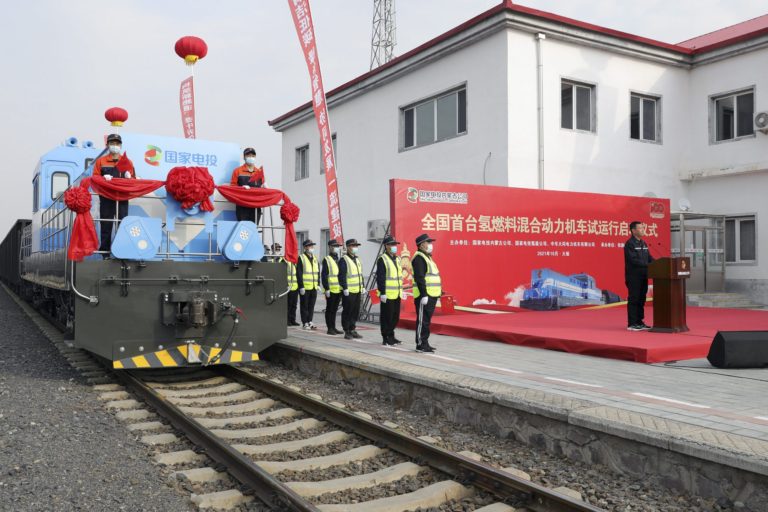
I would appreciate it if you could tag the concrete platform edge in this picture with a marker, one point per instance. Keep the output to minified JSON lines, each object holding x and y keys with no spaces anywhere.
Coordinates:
{"x":576,"y":412}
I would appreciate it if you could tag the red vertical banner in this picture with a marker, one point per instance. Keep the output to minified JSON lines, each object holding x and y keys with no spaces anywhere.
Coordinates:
{"x":187,"y":105}
{"x":302,"y":19}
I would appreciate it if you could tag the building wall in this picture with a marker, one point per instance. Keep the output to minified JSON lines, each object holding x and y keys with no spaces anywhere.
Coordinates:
{"x":367,"y":129}
{"x":500,"y":147}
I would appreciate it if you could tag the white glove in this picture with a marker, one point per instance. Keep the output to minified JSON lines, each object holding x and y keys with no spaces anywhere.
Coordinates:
{"x":424,"y":301}
{"x":246,"y":187}
{"x":128,"y":174}
{"x":327,"y":294}
{"x":108,"y":177}
{"x":383,"y":299}
{"x":302,"y":291}
{"x":346,"y":293}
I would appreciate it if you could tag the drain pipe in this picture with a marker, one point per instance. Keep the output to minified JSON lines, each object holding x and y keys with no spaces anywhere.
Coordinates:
{"x":540,"y":105}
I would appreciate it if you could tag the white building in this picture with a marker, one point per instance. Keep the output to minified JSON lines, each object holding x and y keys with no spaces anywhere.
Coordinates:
{"x":525,"y":98}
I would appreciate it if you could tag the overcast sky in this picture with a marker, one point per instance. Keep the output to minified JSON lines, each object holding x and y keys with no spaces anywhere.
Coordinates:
{"x":64,"y":63}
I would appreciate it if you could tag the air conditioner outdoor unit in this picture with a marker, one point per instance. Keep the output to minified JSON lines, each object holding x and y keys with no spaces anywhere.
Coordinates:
{"x":377,"y":229}
{"x":761,"y":122}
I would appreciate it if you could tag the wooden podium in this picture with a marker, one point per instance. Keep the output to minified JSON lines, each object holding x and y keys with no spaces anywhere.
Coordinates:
{"x":669,"y":275}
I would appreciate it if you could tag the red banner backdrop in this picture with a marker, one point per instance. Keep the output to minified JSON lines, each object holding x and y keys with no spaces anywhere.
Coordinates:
{"x":302,"y":20}
{"x":491,"y":240}
{"x":187,"y":106}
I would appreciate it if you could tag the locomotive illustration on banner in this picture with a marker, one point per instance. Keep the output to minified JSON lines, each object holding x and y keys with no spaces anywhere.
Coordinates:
{"x":550,"y":290}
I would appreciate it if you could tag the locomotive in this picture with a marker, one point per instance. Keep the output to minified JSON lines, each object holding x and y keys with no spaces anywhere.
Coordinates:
{"x":180,"y":286}
{"x":552,"y":290}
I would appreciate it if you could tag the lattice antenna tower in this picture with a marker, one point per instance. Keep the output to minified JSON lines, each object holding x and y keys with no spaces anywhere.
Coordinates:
{"x":383,"y":39}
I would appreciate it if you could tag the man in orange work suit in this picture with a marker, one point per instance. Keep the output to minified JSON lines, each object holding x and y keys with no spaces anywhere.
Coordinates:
{"x":247,"y":176}
{"x":112,"y":212}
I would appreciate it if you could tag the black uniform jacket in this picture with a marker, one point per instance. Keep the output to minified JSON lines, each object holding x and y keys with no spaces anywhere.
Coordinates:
{"x":637,"y":257}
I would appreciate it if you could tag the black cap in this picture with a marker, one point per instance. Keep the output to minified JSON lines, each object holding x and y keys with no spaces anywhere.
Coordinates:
{"x":114,"y":137}
{"x":249,"y":151}
{"x":423,"y":238}
{"x":390,"y":241}
{"x":352,"y":241}
{"x":333,"y":243}
{"x":308,"y":243}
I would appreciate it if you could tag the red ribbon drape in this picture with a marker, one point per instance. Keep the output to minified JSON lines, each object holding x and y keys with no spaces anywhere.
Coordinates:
{"x":262,"y":197}
{"x":84,"y":242}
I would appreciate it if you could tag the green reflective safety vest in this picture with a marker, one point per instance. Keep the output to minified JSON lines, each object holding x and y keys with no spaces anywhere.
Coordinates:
{"x":333,"y":275}
{"x":432,"y":277}
{"x":354,"y":274}
{"x":310,"y":272}
{"x":394,"y":283}
{"x":293,"y":283}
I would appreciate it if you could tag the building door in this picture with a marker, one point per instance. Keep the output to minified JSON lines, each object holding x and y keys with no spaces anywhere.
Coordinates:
{"x":703,"y":239}
{"x":695,"y":248}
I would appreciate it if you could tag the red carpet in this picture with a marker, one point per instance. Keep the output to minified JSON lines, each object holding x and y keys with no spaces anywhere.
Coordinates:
{"x":596,"y":332}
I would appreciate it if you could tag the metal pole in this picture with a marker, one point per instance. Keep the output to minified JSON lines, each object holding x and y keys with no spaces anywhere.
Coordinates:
{"x":540,"y":105}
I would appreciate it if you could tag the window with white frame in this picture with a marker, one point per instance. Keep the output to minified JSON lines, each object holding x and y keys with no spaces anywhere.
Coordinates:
{"x":301,"y":237}
{"x":59,"y":183}
{"x":645,"y":117}
{"x":577,"y":106}
{"x":740,"y":239}
{"x":436,"y":119}
{"x":335,"y":154}
{"x":302,"y":162}
{"x":732,"y":114}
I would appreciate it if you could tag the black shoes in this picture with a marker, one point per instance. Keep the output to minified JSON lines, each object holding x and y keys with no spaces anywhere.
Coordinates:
{"x":334,"y":332}
{"x":293,"y":324}
{"x":390,"y":342}
{"x":348,"y":335}
{"x":425,"y":347}
{"x":643,"y":326}
{"x":355,"y":335}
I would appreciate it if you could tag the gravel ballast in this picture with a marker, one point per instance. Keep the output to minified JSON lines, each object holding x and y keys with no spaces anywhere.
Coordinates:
{"x":59,"y":448}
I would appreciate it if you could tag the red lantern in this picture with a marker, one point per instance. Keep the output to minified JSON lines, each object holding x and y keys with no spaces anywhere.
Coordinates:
{"x":191,"y":49}
{"x":116,"y":115}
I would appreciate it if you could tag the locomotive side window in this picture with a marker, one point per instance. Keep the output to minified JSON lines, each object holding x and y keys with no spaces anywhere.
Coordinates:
{"x":59,"y":183}
{"x":36,"y":193}
{"x":88,"y":162}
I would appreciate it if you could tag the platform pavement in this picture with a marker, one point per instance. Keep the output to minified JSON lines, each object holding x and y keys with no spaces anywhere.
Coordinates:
{"x":705,"y":408}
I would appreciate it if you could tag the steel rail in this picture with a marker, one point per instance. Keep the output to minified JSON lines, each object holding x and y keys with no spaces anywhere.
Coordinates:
{"x":269,"y":489}
{"x":465,"y":470}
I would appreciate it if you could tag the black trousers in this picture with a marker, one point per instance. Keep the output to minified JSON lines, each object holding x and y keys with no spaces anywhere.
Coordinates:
{"x":424,"y":319}
{"x":331,"y":308}
{"x":251,"y":214}
{"x":307,"y":305}
{"x":638,"y":289}
{"x":293,"y":299}
{"x":107,"y":209}
{"x":351,"y":311}
{"x":388,"y":318}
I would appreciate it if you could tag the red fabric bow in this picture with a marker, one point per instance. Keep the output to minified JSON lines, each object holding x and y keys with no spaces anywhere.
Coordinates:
{"x":83,"y":241}
{"x":191,"y":185}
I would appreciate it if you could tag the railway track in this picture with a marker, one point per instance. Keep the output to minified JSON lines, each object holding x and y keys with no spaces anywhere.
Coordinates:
{"x":294,"y":451}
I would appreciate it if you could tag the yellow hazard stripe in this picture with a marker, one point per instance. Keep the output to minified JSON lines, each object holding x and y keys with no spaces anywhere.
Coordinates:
{"x":140,"y":362}
{"x":236,"y":357}
{"x":118,"y":365}
{"x":165,"y":358}
{"x":177,"y":356}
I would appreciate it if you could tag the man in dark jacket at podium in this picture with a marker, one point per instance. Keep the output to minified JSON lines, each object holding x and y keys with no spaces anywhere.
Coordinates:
{"x":637,"y":257}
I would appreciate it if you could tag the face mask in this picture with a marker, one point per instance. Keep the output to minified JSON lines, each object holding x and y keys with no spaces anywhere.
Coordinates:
{"x":335,"y":250}
{"x":354,"y":250}
{"x":310,"y":250}
{"x":429,"y":249}
{"x":251,"y":160}
{"x":114,"y":149}
{"x":393,"y":249}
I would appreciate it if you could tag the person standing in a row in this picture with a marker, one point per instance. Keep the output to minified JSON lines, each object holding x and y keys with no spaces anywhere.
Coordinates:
{"x":389,"y":281}
{"x":329,"y":277}
{"x":308,"y":277}
{"x":427,"y":288}
{"x":293,"y":293}
{"x":351,"y":282}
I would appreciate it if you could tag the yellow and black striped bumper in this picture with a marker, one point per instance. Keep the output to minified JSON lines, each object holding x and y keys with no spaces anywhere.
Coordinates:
{"x":178,"y":356}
